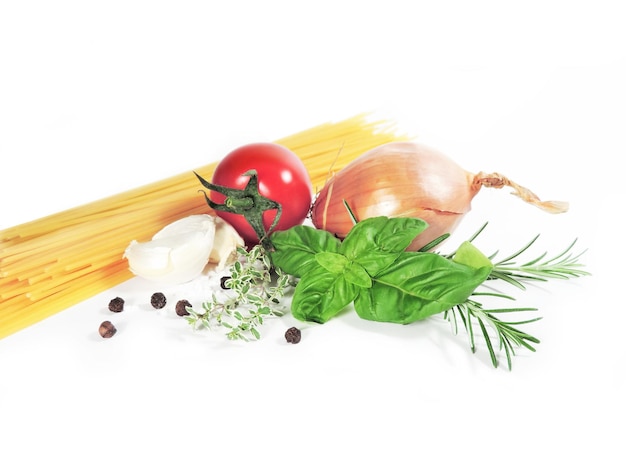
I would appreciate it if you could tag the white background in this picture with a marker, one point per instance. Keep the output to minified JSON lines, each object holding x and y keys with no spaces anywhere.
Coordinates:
{"x":101,"y":97}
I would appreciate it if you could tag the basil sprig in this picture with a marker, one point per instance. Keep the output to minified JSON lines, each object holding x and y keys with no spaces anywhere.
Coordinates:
{"x":371,"y":269}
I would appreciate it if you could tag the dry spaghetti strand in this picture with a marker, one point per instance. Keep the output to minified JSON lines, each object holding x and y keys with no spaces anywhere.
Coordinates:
{"x":52,"y":263}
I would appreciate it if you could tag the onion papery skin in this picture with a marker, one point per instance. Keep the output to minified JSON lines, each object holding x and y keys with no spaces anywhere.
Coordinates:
{"x":398,"y":179}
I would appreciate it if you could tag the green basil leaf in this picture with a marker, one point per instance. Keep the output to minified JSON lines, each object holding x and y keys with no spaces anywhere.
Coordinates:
{"x":320,"y":295}
{"x":333,"y":262}
{"x":357,"y":275}
{"x":376,"y":242}
{"x":338,"y":264}
{"x":416,"y":286}
{"x":295,"y":249}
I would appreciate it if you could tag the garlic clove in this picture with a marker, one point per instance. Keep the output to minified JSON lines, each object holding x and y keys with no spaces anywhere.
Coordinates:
{"x":177,"y":253}
{"x":227,"y":241}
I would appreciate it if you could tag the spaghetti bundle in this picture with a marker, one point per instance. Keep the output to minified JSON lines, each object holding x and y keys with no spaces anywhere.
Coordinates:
{"x":52,"y":263}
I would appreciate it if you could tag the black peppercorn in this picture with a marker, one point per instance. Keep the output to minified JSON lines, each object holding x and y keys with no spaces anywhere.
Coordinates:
{"x":293,"y":335}
{"x":223,"y":281}
{"x":116,"y":305}
{"x":107,"y":329}
{"x":181,"y":307}
{"x":158,"y":300}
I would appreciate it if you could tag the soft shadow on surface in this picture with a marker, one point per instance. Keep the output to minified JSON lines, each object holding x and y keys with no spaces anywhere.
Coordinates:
{"x":432,"y":333}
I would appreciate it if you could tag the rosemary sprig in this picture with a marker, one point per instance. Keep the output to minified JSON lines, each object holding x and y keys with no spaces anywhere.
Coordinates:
{"x":564,"y":265}
{"x":507,"y":335}
{"x":254,"y":293}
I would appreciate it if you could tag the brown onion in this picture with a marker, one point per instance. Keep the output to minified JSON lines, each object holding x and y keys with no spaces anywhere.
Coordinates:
{"x":407,"y":179}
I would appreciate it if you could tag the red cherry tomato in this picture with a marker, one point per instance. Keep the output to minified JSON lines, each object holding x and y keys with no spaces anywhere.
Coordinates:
{"x":282,"y":176}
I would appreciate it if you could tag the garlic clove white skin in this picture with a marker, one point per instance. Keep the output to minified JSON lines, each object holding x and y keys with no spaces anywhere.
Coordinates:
{"x":227,"y":241}
{"x":177,"y":253}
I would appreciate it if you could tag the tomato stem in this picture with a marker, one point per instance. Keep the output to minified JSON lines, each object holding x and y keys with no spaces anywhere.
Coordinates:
{"x":247,"y":202}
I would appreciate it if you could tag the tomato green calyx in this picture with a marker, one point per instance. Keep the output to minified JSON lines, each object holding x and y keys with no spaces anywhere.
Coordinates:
{"x":248,"y":202}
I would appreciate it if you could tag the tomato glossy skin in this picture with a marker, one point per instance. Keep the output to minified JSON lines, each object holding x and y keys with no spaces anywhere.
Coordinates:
{"x":282,"y":177}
